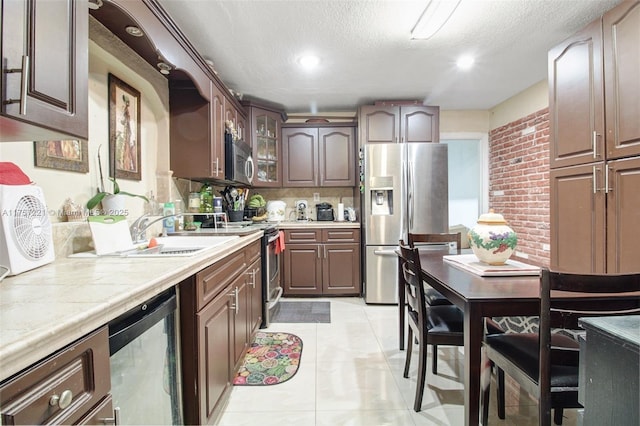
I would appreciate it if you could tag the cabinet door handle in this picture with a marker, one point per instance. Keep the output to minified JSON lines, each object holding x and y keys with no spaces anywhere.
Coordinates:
{"x":115,"y":420}
{"x":594,"y":141}
{"x":24,"y":85}
{"x":237,"y":301}
{"x":606,"y":180}
{"x":235,"y":306}
{"x":63,"y":400}
{"x":253,"y":278}
{"x":596,"y":170}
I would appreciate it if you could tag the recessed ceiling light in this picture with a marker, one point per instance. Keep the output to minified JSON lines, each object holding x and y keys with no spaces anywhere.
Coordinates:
{"x":95,"y":4}
{"x":309,"y":61}
{"x":134,"y":31}
{"x":465,"y":62}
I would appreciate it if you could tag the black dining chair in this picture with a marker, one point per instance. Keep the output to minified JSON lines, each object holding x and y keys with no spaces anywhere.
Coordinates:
{"x":431,"y":325}
{"x":433,"y":296}
{"x":545,"y":364}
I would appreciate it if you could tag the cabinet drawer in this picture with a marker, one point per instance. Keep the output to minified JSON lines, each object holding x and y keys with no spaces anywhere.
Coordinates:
{"x":101,"y":414}
{"x":340,"y":235}
{"x":78,"y":375}
{"x":252,"y":252}
{"x":302,"y":236}
{"x":210,"y":281}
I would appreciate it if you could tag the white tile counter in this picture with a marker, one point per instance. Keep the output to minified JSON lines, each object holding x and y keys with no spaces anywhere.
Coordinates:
{"x":43,"y":310}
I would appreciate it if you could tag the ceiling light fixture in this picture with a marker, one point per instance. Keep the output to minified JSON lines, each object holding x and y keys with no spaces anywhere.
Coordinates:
{"x":309,"y":62}
{"x":435,"y":15}
{"x":465,"y":62}
{"x":134,"y":31}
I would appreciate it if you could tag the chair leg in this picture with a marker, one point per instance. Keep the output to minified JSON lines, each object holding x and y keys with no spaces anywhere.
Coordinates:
{"x":501,"y":402}
{"x":434,"y":362}
{"x":422,"y":373}
{"x":557,"y":416}
{"x":407,"y":356}
{"x":485,"y":404}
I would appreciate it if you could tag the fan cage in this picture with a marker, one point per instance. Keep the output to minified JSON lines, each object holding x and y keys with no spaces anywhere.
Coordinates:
{"x":31,"y":227}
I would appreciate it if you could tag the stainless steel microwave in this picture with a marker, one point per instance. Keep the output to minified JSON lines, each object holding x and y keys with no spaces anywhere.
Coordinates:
{"x":238,"y":164}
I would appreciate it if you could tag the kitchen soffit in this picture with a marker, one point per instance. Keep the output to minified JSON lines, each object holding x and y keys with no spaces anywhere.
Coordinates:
{"x":366,"y":51}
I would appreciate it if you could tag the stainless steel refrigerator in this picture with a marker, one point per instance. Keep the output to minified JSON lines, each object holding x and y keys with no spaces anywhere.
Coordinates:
{"x":405,"y":190}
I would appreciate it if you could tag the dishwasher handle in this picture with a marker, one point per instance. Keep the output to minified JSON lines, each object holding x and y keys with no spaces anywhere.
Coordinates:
{"x":129,"y":326}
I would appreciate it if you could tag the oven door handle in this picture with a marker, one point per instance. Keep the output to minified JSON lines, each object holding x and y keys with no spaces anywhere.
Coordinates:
{"x":273,"y":238}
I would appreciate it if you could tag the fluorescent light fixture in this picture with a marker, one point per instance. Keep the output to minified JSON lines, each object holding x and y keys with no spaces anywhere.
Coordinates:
{"x":435,"y":15}
{"x":309,"y":62}
{"x":465,"y":62}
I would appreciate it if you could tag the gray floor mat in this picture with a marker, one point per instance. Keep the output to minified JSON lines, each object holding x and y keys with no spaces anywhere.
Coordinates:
{"x":302,"y":312}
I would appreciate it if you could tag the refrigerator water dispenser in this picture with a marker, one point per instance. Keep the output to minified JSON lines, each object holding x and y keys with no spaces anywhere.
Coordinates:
{"x":382,"y":201}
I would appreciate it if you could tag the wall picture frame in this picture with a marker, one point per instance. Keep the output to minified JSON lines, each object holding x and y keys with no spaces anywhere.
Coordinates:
{"x":124,"y":130}
{"x":69,"y":155}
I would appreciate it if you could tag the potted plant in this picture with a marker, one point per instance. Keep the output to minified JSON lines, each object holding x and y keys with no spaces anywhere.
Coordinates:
{"x":111,"y":202}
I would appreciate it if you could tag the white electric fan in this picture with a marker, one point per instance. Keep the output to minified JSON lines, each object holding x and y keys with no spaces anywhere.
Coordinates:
{"x":26,"y":240}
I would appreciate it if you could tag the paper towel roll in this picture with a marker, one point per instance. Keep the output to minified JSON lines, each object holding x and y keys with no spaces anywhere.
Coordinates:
{"x":340,"y":212}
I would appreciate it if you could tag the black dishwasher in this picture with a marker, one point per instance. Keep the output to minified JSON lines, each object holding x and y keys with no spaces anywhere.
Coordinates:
{"x":144,"y":360}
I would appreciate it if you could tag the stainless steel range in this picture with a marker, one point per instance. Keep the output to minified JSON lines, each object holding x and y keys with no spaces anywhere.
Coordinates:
{"x":271,"y":287}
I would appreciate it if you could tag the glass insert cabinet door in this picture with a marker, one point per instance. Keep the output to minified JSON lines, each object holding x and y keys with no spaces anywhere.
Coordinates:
{"x":266,"y":151}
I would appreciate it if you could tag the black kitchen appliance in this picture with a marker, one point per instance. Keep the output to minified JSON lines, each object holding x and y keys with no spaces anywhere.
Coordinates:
{"x":324,"y":212}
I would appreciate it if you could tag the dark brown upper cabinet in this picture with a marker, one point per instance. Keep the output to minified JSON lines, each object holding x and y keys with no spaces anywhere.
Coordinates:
{"x":44,"y":70}
{"x":398,"y":123}
{"x":593,"y":86}
{"x":318,"y":156}
{"x":621,"y":38}
{"x":265,"y":122}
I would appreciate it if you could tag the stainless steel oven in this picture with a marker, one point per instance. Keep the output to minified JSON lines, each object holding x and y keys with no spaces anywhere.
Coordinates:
{"x":271,"y":287}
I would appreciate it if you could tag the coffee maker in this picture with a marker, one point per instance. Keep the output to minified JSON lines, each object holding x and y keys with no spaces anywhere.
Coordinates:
{"x":301,"y":209}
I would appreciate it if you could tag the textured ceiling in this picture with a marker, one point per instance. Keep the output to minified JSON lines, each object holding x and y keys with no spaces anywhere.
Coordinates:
{"x":366,"y":52}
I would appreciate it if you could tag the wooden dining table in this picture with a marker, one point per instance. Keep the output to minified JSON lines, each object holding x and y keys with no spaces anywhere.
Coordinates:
{"x":478,"y":297}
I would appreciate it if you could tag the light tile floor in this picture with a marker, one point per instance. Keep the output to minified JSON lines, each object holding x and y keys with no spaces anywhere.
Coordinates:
{"x":351,"y":374}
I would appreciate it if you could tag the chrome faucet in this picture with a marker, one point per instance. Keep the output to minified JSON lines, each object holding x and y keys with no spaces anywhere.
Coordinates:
{"x":138,"y":228}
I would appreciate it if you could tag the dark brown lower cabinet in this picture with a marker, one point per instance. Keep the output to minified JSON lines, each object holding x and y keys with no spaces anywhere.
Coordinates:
{"x":322,"y":262}
{"x":70,"y":387}
{"x":219,"y":309}
{"x":594,"y":217}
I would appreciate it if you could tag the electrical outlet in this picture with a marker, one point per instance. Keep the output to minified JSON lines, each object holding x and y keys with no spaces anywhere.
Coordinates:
{"x":316,"y":196}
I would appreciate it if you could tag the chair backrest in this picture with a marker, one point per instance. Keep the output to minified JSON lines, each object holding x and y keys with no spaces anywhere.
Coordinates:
{"x":602,"y":295}
{"x":436,"y":238}
{"x":411,"y":270}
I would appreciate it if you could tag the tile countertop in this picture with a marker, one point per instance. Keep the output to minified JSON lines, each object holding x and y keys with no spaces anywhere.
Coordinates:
{"x":47,"y":308}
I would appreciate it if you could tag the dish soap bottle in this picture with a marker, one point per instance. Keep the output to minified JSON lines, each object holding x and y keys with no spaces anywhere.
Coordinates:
{"x":206,"y":199}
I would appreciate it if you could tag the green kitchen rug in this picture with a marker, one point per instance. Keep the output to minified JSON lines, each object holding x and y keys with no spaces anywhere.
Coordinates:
{"x":272,"y":358}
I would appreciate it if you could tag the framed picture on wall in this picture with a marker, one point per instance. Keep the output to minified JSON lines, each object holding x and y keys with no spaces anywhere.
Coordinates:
{"x":124,"y":130}
{"x":70,"y":155}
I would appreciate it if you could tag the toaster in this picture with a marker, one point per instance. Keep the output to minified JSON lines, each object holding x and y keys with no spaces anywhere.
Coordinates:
{"x":324,"y":212}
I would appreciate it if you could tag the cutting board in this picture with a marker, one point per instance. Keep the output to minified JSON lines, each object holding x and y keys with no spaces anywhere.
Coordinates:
{"x":110,"y":234}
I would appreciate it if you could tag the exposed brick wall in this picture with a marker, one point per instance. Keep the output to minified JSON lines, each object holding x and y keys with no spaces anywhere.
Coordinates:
{"x":519,"y":181}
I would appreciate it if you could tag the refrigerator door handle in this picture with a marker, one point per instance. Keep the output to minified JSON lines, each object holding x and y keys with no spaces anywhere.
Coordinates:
{"x":410,"y":178}
{"x":391,"y":252}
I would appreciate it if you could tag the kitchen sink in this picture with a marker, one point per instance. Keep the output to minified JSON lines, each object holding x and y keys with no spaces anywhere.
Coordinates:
{"x":180,"y":246}
{"x":171,"y":246}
